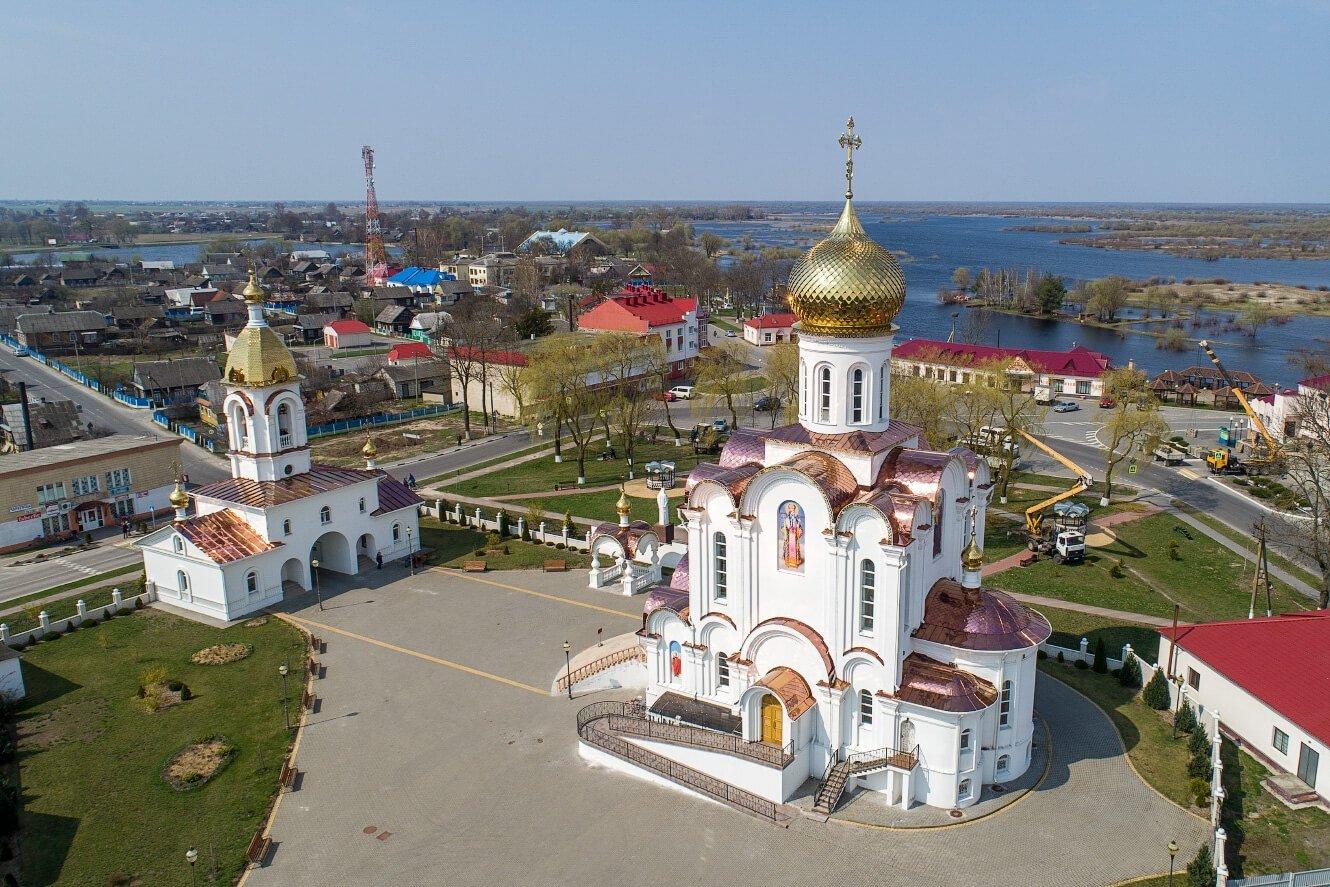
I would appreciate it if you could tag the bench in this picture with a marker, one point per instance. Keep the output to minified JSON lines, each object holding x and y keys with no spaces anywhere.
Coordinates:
{"x":258,"y":849}
{"x":307,"y":700}
{"x":556,"y":566}
{"x":313,"y":667}
{"x":288,"y":775}
{"x":1029,"y":559}
{"x":474,"y":567}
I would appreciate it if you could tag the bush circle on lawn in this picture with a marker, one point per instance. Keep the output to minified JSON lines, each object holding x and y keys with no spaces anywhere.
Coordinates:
{"x":221,"y":654}
{"x":198,"y":762}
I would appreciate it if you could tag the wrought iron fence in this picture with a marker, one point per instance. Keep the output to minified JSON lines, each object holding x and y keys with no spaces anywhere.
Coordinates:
{"x":582,"y":672}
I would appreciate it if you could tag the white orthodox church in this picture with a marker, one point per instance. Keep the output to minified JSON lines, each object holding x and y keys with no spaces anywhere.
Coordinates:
{"x":258,"y":535}
{"x":829,"y":607}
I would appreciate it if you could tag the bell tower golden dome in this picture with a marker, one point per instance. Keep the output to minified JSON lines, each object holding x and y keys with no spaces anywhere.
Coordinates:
{"x":258,"y":358}
{"x":847,"y":285}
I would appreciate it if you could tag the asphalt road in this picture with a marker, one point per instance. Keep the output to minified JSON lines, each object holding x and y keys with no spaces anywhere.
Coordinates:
{"x":102,"y":412}
{"x":19,"y":580}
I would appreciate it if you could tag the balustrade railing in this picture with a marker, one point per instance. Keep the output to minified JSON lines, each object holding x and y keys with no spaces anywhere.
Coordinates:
{"x":884,"y":757}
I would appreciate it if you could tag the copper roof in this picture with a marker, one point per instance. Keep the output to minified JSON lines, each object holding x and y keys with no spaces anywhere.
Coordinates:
{"x":790,"y":688}
{"x":627,"y":537}
{"x":266,"y":493}
{"x":733,"y":479}
{"x":979,"y":619}
{"x":827,"y":472}
{"x":744,"y":446}
{"x":804,"y":629}
{"x":944,"y":687}
{"x":918,"y":471}
{"x":969,"y":457}
{"x":898,"y":507}
{"x":663,"y":597}
{"x":223,"y":536}
{"x":864,"y":442}
{"x":679,"y":578}
{"x":394,"y":496}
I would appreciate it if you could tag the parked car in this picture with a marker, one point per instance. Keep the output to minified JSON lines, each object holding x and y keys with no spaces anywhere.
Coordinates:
{"x":720,"y":425}
{"x":730,"y":334}
{"x":1066,"y":406}
{"x":668,"y":396}
{"x":682,"y":392}
{"x":767,"y":404}
{"x":1107,"y":402}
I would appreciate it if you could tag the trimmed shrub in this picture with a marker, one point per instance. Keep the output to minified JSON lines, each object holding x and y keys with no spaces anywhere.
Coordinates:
{"x":1042,"y":655}
{"x":1156,"y":693}
{"x":1174,"y":553}
{"x":1185,"y":719}
{"x":1200,"y":791}
{"x":1061,"y":658}
{"x":1100,"y":657}
{"x":1130,"y":673}
{"x":1081,"y":664}
{"x":1199,"y":744}
{"x":1201,"y":870}
{"x":1118,"y":570}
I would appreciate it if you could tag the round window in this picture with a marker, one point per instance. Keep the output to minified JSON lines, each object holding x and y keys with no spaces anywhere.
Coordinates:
{"x":287,"y":469}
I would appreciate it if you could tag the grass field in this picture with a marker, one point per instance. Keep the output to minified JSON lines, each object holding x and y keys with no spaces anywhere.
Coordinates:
{"x":1208,"y":580}
{"x":91,"y":756}
{"x":593,"y":506}
{"x":1070,"y":626}
{"x":1246,"y":541}
{"x":540,"y":475}
{"x":94,"y":598}
{"x":453,"y":546}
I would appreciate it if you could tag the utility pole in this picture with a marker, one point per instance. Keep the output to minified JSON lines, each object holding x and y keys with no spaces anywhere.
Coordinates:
{"x":1262,"y":574}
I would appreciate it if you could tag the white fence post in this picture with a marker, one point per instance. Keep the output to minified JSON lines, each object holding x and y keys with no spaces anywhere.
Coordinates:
{"x":117,"y":600}
{"x":4,"y":632}
{"x":542,"y":532}
{"x":1085,"y":646}
{"x":1221,"y":870}
{"x":44,"y":620}
{"x":521,"y":527}
{"x":82,"y":607}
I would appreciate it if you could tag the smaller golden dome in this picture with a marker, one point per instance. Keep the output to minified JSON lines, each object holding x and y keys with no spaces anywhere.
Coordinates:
{"x":972,"y":559}
{"x":178,"y":498}
{"x":369,"y":451}
{"x":253,"y":291}
{"x":624,"y":507}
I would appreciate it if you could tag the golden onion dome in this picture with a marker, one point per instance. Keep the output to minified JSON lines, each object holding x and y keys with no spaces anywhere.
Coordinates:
{"x":972,"y":559}
{"x":253,"y":291}
{"x":369,"y":451}
{"x":847,"y":285}
{"x":258,"y":358}
{"x":178,"y":498}
{"x":623,"y":507}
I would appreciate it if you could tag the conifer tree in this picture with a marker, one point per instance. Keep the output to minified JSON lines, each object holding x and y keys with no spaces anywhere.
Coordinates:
{"x":1185,"y":719}
{"x":1156,"y":691}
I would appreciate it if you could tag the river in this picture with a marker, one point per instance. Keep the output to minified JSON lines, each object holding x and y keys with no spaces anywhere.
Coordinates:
{"x":938,"y":244}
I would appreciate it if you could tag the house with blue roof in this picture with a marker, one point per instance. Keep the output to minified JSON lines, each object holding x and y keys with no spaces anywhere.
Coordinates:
{"x":420,"y":280}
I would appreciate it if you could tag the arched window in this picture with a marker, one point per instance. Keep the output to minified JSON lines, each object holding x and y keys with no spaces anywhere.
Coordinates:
{"x":938,"y":524}
{"x":965,"y":740}
{"x":1004,"y":707}
{"x":676,"y":661}
{"x":865,"y":708}
{"x":804,"y":403}
{"x":251,"y":583}
{"x":722,"y":670}
{"x":824,"y":393}
{"x":179,"y":545}
{"x":867,"y":596}
{"x":286,"y":527}
{"x":362,"y":504}
{"x":964,"y":790}
{"x":325,"y":515}
{"x":721,"y":559}
{"x":882,"y":392}
{"x":284,"y":438}
{"x":397,"y":532}
{"x":857,"y":395}
{"x":1003,"y":762}
{"x":182,"y":581}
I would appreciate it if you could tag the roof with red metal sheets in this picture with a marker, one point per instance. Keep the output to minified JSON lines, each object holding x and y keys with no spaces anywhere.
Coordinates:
{"x":348,"y":326}
{"x":409,"y":350}
{"x":223,"y":536}
{"x":778,"y":320}
{"x":266,"y":493}
{"x":1078,"y":361}
{"x":637,"y":309}
{"x":1280,"y":660}
{"x":395,"y":495}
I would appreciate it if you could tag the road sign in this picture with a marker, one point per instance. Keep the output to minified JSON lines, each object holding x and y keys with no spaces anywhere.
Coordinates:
{"x":1131,"y":469}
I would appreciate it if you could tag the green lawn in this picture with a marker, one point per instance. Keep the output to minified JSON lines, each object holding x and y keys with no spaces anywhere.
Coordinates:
{"x":1208,"y":580}
{"x":1265,"y":837}
{"x":94,"y":598}
{"x":453,"y":546}
{"x":1245,"y":540}
{"x":91,"y":757}
{"x":1003,"y":537}
{"x":539,"y":475}
{"x":1070,"y":626}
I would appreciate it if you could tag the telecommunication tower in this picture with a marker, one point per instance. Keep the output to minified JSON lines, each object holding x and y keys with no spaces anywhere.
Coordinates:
{"x":376,"y":257}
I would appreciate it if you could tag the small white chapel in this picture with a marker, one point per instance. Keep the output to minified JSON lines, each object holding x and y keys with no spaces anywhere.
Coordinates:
{"x":829,"y":606}
{"x":259,"y":534}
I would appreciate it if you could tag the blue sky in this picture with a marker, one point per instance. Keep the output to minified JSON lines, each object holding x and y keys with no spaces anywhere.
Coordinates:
{"x":1157,"y":101}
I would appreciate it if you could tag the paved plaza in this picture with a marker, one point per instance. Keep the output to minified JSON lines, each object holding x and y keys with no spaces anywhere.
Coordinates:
{"x":437,"y":756}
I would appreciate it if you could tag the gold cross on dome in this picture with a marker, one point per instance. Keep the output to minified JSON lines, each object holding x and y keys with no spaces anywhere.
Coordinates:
{"x":850,"y":142}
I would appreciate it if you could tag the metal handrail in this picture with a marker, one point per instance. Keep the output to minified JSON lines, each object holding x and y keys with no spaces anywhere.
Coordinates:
{"x":582,"y":672}
{"x":633,"y":717}
{"x":890,"y":757}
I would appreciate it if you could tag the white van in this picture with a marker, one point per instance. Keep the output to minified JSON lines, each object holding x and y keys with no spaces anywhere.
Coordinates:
{"x":682,"y":392}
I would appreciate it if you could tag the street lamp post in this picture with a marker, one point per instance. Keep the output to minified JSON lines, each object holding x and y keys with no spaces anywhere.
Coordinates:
{"x":191,"y":857}
{"x":318,"y":592}
{"x":568,"y":667}
{"x":410,"y":552}
{"x":1172,"y":856}
{"x":286,"y":712}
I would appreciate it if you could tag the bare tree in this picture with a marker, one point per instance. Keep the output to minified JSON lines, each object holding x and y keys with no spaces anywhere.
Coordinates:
{"x":560,"y":376}
{"x":782,"y":372}
{"x":720,"y":376}
{"x":1134,"y":423}
{"x":625,"y":362}
{"x":466,"y":335}
{"x":1308,"y":460}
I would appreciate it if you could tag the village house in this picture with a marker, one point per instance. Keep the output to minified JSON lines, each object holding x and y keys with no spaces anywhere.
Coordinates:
{"x":1205,"y":386}
{"x":393,"y":321}
{"x":190,"y":296}
{"x":573,"y":245}
{"x":413,"y":378}
{"x":403,"y":352}
{"x":54,"y":492}
{"x":1075,"y":372}
{"x":60,"y":332}
{"x":771,"y":329}
{"x":53,"y":422}
{"x":170,"y":381}
{"x":643,"y":309}
{"x":429,"y":326}
{"x":347,"y":333}
{"x":1268,"y":679}
{"x":1281,"y":410}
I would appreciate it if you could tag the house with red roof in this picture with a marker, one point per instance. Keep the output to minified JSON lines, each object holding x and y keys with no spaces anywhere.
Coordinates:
{"x":404,"y":352}
{"x":1269,"y":681}
{"x":771,"y":329}
{"x":645,"y":309}
{"x":347,"y":333}
{"x":1075,"y":372}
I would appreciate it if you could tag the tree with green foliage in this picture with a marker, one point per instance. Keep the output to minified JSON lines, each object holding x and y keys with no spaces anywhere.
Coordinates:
{"x":1130,"y":674}
{"x":1133,"y":423}
{"x":1185,"y":718}
{"x":720,"y":376}
{"x":1108,"y":296}
{"x":1049,"y":293}
{"x":1201,"y":870}
{"x":1156,"y":691}
{"x":533,"y":323}
{"x":1100,"y":657}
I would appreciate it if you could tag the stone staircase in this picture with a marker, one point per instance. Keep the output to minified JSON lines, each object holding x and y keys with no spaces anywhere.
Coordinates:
{"x":833,"y":786}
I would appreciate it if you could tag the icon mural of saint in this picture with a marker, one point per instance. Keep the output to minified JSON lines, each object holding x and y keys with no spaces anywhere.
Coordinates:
{"x":791,"y":523}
